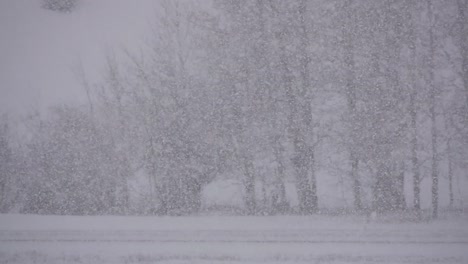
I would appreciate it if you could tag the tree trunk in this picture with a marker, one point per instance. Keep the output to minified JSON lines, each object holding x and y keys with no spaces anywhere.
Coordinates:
{"x":432,"y":109}
{"x":463,"y":41}
{"x":356,"y":183}
{"x":249,"y":187}
{"x":450,"y":172}
{"x":313,"y":180}
{"x":414,"y":119}
{"x":307,"y":135}
{"x":350,"y":78}
{"x":463,"y":46}
{"x":2,"y":191}
{"x":400,"y":185}
{"x":301,"y":162}
{"x":414,"y":154}
{"x":279,"y":202}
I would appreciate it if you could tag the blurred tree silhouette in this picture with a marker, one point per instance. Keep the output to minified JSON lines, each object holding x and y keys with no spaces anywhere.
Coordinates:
{"x":60,"y":5}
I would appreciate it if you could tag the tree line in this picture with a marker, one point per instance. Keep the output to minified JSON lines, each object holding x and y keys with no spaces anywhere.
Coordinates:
{"x":369,"y":93}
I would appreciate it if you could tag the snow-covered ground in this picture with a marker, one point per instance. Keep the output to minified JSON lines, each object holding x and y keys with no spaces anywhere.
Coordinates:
{"x":228,"y":239}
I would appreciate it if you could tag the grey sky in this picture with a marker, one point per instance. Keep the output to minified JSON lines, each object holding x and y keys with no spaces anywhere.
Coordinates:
{"x":40,"y":48}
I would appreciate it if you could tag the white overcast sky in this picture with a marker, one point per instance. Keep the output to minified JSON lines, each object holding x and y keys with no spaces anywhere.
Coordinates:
{"x":39,"y":48}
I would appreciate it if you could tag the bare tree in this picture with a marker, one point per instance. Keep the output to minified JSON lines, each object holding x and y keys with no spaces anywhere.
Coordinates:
{"x":64,"y":6}
{"x":432,"y":110}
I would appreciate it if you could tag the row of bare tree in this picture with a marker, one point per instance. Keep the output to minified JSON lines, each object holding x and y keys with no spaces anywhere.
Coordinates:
{"x":361,"y":93}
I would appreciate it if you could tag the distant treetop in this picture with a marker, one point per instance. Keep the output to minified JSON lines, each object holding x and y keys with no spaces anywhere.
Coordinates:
{"x":64,"y":6}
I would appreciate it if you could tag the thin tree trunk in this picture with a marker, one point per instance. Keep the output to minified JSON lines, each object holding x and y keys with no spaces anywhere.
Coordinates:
{"x":432,"y":109}
{"x":463,"y":46}
{"x":414,"y":154}
{"x":249,"y":186}
{"x":307,"y":115}
{"x":450,"y":172}
{"x":401,"y":199}
{"x":353,"y":157}
{"x":434,"y":173}
{"x":414,"y":120}
{"x":313,"y":180}
{"x":463,"y":41}
{"x":351,"y":98}
{"x":279,"y":200}
{"x":302,"y":181}
{"x":356,"y":183}
{"x":2,"y":190}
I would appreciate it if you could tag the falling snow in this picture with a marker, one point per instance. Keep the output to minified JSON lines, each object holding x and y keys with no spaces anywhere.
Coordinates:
{"x":270,"y":126}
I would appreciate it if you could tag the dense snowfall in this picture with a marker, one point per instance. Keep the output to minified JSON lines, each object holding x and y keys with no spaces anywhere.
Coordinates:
{"x":346,"y":110}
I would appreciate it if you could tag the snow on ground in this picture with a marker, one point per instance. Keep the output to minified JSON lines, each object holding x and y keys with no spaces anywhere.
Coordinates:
{"x":229,"y":239}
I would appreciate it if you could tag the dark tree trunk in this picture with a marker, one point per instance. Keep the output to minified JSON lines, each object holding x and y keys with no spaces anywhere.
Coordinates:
{"x":307,"y":135}
{"x":313,"y":180}
{"x":348,"y":28}
{"x":463,"y":41}
{"x":279,"y":201}
{"x":400,"y":188}
{"x":414,"y":118}
{"x":414,"y":154}
{"x":450,"y":173}
{"x":304,"y":190}
{"x":356,"y":184}
{"x":432,"y":109}
{"x":249,"y":187}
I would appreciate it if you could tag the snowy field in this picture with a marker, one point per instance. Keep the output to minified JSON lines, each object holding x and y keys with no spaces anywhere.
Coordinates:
{"x":208,"y":239}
